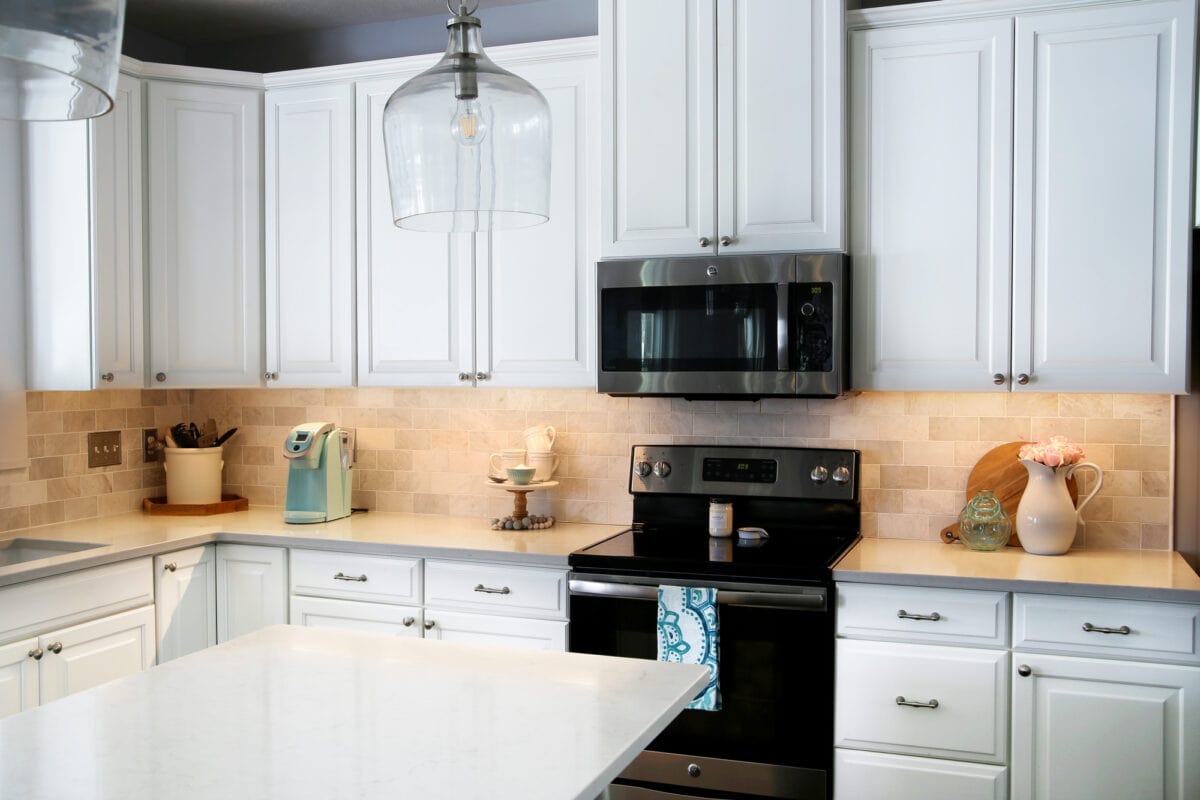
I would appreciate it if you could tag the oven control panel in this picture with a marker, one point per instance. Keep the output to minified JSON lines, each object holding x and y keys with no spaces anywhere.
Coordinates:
{"x":801,"y":473}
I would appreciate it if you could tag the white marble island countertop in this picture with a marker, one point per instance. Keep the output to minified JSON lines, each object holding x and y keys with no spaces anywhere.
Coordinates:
{"x":418,"y":535}
{"x":298,"y":713}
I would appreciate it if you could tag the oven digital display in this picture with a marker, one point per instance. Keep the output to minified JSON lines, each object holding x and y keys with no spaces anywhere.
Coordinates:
{"x":740,"y":470}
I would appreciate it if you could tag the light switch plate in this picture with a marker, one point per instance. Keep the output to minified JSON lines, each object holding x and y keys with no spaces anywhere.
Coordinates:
{"x":104,"y":448}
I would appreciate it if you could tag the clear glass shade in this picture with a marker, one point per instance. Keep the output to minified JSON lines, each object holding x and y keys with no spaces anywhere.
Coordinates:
{"x":59,"y":58}
{"x":468,"y":144}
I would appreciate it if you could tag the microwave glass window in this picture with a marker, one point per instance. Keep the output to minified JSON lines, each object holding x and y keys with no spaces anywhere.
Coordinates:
{"x":811,"y":333}
{"x":725,"y":328}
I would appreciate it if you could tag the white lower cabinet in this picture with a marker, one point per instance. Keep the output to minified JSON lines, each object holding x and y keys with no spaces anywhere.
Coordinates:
{"x":96,"y":652}
{"x":867,"y":776}
{"x":18,"y":676}
{"x":350,"y":615}
{"x":531,"y":634}
{"x":252,"y":588}
{"x":185,"y":601}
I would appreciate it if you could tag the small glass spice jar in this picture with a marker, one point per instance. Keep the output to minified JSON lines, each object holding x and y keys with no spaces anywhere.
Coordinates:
{"x":720,"y":517}
{"x":983,"y":524}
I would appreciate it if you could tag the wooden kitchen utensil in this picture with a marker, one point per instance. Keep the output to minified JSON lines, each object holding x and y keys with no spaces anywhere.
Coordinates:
{"x":1000,"y":471}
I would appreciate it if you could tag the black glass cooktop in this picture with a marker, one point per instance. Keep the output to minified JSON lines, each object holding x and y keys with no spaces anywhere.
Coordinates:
{"x":788,"y":556}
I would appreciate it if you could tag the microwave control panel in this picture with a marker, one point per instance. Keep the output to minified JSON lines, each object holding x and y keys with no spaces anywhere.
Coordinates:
{"x":812,"y":322}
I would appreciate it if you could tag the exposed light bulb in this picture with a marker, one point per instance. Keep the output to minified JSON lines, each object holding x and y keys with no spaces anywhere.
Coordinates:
{"x":468,"y":126}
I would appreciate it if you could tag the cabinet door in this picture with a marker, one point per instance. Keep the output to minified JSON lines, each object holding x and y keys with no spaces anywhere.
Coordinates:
{"x":251,"y":589}
{"x":309,"y":192}
{"x":205,"y":235}
{"x":536,"y":286}
{"x":117,"y":271}
{"x":1101,"y":217}
{"x":185,"y":601}
{"x":530,"y":634}
{"x":96,"y":652}
{"x":859,"y":775}
{"x":930,"y":176}
{"x":779,"y":125}
{"x":1101,"y":728}
{"x":658,"y":147}
{"x":351,"y":615}
{"x":18,"y":677}
{"x":415,"y":289}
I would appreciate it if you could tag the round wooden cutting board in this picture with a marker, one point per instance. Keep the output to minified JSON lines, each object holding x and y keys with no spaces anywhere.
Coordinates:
{"x":1000,"y":471}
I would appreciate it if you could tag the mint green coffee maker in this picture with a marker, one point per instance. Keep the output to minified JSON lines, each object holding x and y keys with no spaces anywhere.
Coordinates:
{"x":318,"y":486}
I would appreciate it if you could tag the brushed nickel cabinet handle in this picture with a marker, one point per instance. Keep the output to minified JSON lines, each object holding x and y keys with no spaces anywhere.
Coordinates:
{"x":490,"y":590}
{"x":429,"y":624}
{"x":55,"y":648}
{"x":171,"y":567}
{"x":934,"y":617}
{"x":36,"y":654}
{"x":408,"y":621}
{"x":160,"y":377}
{"x":1024,"y":670}
{"x":341,"y":576}
{"x":998,"y":379}
{"x":1022,"y":379}
{"x":705,"y":241}
{"x":900,"y":701}
{"x":107,"y":377}
{"x":464,"y":376}
{"x":483,"y":376}
{"x":726,"y":241}
{"x":1124,"y":630}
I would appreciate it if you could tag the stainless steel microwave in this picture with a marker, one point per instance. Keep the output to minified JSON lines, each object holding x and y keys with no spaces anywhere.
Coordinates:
{"x":734,"y":326}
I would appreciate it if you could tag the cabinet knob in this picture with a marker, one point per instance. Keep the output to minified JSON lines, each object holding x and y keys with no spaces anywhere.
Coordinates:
{"x":1022,"y":379}
{"x":107,"y":377}
{"x":429,"y":624}
{"x":55,"y":647}
{"x":726,"y":241}
{"x":998,"y":379}
{"x":1024,"y":670}
{"x":171,"y":567}
{"x":408,"y":621}
{"x":36,"y":654}
{"x":464,"y":376}
{"x":160,"y":377}
{"x":705,"y":241}
{"x":482,"y":376}
{"x":270,"y":376}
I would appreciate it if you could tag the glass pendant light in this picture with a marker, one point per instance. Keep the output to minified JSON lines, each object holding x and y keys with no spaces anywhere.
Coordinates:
{"x":59,"y":58}
{"x":467,"y":143}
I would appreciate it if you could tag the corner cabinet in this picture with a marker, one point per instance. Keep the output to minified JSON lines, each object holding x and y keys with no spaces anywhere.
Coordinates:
{"x":1016,"y":177}
{"x":205,"y":217}
{"x":722,"y":126}
{"x":309,"y":192}
{"x":510,"y":308}
{"x":252,"y":588}
{"x":185,"y":601}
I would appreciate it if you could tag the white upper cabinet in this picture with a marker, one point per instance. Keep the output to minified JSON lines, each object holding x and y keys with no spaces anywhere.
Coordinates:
{"x":117,"y":271}
{"x":1101,"y":222}
{"x":511,"y":309}
{"x":715,"y":136}
{"x":1083,"y":219}
{"x":930,"y":193}
{"x":205,"y":212}
{"x":309,"y":193}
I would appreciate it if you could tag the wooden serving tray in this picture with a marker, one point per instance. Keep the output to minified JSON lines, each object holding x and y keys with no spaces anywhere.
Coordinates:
{"x":160,"y":506}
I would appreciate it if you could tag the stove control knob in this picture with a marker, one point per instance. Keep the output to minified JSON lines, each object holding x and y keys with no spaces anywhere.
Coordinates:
{"x":662,"y":469}
{"x":841,"y":474}
{"x":819,"y":474}
{"x":641,"y":469}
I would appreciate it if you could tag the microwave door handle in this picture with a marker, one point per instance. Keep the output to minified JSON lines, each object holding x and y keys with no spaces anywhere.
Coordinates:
{"x":781,"y":327}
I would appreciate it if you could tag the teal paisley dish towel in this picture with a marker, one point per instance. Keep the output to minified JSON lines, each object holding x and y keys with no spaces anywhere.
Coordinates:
{"x":689,"y":633}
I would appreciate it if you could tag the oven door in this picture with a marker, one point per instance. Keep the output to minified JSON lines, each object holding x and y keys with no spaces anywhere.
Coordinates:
{"x":773,"y":736}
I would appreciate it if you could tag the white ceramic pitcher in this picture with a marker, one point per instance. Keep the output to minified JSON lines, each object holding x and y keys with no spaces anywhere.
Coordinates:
{"x":539,"y":438}
{"x":1046,"y":517}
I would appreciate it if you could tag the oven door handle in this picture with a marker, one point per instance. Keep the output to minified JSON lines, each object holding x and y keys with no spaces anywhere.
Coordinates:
{"x":633,"y":591}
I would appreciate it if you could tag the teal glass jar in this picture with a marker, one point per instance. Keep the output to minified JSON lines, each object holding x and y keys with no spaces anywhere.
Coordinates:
{"x":983,"y":525}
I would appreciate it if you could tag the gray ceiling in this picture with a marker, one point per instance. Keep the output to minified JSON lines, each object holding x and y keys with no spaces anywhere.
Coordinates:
{"x":193,"y":22}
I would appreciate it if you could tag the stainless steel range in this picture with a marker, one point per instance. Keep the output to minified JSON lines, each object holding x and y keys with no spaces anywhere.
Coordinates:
{"x":773,"y":736}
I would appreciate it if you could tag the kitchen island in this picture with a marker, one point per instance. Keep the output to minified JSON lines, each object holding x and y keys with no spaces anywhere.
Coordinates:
{"x":290,"y":712}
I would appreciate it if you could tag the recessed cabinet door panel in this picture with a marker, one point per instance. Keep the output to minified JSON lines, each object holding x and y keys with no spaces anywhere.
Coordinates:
{"x":779,"y":125}
{"x":117,"y":272}
{"x":535,"y":318}
{"x":205,"y":235}
{"x":1087,"y":727}
{"x":18,"y":677}
{"x":185,"y":602}
{"x":414,"y":288}
{"x":657,"y":77}
{"x":251,"y":589}
{"x":309,"y":169}
{"x":1101,"y":216}
{"x":96,"y":652}
{"x":930,"y":177}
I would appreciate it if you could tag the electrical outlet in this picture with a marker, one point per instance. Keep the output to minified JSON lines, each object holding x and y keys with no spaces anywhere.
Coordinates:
{"x":150,"y":445}
{"x":104,"y":448}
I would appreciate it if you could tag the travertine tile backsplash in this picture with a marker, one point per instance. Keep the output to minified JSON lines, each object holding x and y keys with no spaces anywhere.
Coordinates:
{"x":426,"y":450}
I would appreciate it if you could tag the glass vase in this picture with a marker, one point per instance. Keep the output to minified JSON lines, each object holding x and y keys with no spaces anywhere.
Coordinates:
{"x":983,"y":525}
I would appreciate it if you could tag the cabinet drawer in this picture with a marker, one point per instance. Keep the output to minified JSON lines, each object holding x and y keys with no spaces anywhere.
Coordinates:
{"x":860,"y":774}
{"x":1133,"y":629}
{"x":970,"y":687}
{"x":498,"y":589}
{"x":349,"y":615}
{"x":74,"y":597}
{"x":912,"y":613}
{"x":490,"y":629}
{"x":351,"y":576}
